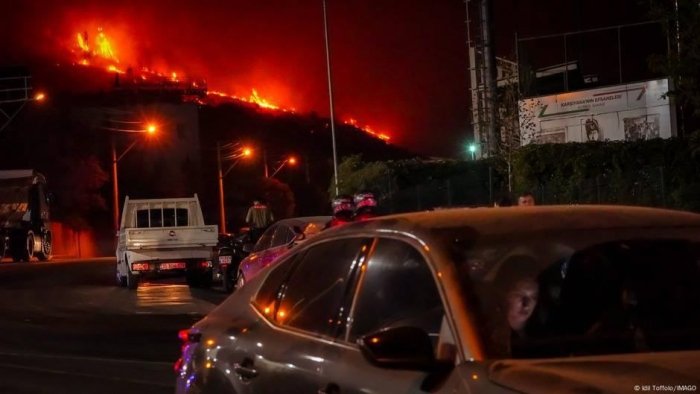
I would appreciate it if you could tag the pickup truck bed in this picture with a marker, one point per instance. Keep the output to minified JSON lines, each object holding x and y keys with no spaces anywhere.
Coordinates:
{"x":164,"y":237}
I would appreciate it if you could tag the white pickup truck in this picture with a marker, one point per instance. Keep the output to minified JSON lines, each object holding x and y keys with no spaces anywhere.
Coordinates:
{"x":164,"y":237}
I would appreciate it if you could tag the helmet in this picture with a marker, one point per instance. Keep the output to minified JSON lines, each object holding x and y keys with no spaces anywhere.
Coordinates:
{"x":342,"y":207}
{"x":365,"y":206}
{"x":364,"y":200}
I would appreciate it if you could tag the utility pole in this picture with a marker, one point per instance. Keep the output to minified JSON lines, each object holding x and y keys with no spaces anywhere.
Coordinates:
{"x":490,"y":77}
{"x":222,"y":214}
{"x":330,"y":98}
{"x":115,"y":185}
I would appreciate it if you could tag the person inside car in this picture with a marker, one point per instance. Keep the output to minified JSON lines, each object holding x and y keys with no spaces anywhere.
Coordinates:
{"x":526,"y":200}
{"x":517,"y":287}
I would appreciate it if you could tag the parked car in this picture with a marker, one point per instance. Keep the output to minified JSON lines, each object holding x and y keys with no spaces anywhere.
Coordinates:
{"x":277,"y":240}
{"x":229,"y":252}
{"x":498,"y":300}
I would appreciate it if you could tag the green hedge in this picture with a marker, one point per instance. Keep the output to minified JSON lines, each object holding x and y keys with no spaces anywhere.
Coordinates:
{"x":659,"y":172}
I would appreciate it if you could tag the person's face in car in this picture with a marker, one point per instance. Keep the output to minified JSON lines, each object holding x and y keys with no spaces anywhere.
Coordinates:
{"x":526,"y":201}
{"x":521,"y":302}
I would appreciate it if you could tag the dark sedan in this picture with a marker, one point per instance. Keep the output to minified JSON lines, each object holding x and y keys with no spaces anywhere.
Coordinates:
{"x":541,"y":299}
{"x":276,"y":241}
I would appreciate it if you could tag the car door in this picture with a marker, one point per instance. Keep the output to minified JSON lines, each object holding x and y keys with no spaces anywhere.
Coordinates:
{"x":301,"y":316}
{"x":397,"y":288}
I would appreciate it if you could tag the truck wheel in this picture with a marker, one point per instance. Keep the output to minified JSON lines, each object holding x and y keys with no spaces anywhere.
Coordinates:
{"x":4,"y":246}
{"x":132,"y":281}
{"x":23,"y":248}
{"x":121,"y":280}
{"x":46,"y":248}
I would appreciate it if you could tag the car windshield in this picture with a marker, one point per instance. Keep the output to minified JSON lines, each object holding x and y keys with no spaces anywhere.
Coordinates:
{"x":584,"y":292}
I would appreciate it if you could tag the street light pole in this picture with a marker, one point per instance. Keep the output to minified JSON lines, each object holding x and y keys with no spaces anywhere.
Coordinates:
{"x":330,"y":98}
{"x":115,"y":185}
{"x":265,"y":163}
{"x":222,"y":214}
{"x":115,"y":180}
{"x":241,"y":152}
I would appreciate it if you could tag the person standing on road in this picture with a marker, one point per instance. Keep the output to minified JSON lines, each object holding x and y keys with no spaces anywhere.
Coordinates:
{"x":259,"y":217}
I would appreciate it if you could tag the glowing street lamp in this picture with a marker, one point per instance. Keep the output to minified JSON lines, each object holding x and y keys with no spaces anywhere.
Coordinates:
{"x":291,"y":160}
{"x":12,"y":87}
{"x":150,"y":129}
{"x":472,"y":150}
{"x":236,"y":152}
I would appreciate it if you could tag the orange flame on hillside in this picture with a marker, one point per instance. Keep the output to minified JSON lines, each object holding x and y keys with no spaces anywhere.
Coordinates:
{"x":367,"y":129}
{"x":102,"y":47}
{"x":255,"y":98}
{"x":101,"y":52}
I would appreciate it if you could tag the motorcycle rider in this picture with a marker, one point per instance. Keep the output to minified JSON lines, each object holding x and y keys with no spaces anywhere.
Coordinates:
{"x":365,"y":206}
{"x":343,"y":209}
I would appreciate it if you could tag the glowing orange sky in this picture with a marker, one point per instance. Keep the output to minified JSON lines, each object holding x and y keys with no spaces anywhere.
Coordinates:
{"x":384,"y":56}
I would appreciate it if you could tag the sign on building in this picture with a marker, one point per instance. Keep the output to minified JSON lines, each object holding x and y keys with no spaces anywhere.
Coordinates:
{"x":630,"y":112}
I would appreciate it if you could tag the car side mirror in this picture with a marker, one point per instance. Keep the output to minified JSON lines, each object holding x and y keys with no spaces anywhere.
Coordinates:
{"x":407,"y":348}
{"x":248,"y":247}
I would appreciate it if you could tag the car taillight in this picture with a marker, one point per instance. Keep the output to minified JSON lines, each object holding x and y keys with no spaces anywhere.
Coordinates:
{"x":187,"y":337}
{"x":178,"y":365}
{"x":139,"y":266}
{"x":205,"y":264}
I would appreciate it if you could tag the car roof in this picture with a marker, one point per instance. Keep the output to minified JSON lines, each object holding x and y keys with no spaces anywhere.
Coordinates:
{"x":301,"y":221}
{"x":523,"y":220}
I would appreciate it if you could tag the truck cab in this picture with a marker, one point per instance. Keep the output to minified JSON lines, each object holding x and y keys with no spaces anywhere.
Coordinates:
{"x":25,"y":226}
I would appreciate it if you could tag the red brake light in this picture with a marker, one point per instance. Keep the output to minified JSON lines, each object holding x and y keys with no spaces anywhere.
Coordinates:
{"x":186,"y":336}
{"x":178,"y":365}
{"x":205,"y":264}
{"x":139,"y":267}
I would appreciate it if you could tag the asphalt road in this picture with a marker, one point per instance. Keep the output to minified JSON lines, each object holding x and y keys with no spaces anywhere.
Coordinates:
{"x":66,"y":328}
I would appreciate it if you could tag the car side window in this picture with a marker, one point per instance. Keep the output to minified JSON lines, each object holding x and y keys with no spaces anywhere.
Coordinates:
{"x":283,"y":235}
{"x":265,"y":239}
{"x":316,"y":288}
{"x":397,"y":289}
{"x":266,"y":299}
